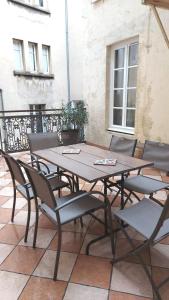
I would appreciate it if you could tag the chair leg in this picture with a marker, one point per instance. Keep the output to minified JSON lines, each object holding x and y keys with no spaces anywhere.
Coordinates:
{"x":135,"y":252}
{"x":93,"y":185}
{"x":28,"y":221}
{"x":14,"y":203}
{"x":58,"y":252}
{"x":112,"y":236}
{"x":36,"y":223}
{"x":81,"y":222}
{"x":115,"y":197}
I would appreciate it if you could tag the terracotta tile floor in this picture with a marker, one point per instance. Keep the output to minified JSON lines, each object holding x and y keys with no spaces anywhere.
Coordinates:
{"x":26,"y":273}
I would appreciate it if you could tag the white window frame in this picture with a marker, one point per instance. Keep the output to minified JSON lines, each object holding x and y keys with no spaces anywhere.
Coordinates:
{"x":47,"y":60}
{"x":19,"y":53}
{"x":121,"y":128}
{"x":35,"y":2}
{"x":35,"y":50}
{"x":38,"y":2}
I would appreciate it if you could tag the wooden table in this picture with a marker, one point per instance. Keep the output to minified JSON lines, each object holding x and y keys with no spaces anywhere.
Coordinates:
{"x":82,"y":165}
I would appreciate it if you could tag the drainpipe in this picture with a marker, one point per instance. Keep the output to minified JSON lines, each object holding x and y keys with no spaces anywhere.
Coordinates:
{"x":1,"y":102}
{"x":67,"y":49}
{"x":1,"y":120}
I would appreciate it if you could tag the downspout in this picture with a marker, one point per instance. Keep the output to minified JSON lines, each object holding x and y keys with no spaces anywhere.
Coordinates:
{"x":2,"y":114}
{"x":67,"y":50}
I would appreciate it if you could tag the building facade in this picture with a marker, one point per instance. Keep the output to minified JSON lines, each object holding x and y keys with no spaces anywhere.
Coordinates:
{"x":126,"y":71}
{"x":34,"y":57}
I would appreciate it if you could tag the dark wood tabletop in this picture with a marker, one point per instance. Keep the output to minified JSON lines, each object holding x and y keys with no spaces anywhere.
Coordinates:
{"x":82,"y":164}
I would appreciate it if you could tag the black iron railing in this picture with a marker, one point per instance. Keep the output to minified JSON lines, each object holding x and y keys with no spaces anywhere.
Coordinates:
{"x":14,"y":125}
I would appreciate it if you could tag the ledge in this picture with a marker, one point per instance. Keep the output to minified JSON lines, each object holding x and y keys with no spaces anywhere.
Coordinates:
{"x":129,"y":132}
{"x":33,"y":7}
{"x":37,"y":75}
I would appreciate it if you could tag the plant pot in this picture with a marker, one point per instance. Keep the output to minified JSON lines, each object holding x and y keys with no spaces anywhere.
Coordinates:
{"x":70,"y":136}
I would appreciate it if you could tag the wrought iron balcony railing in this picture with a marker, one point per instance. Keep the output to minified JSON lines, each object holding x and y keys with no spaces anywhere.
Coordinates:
{"x":14,"y":125}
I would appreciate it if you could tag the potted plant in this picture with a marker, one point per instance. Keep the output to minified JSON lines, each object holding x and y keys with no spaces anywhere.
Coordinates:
{"x":74,"y":118}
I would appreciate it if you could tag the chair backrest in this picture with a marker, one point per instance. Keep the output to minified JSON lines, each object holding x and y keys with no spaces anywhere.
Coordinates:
{"x":158,"y":153}
{"x":40,"y":185}
{"x":70,"y":137}
{"x":123,"y":145}
{"x":39,"y":141}
{"x":162,"y":218}
{"x":14,"y":168}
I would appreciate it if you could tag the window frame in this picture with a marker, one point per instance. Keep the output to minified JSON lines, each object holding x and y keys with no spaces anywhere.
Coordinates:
{"x":33,"y":6}
{"x":48,"y":59}
{"x":21,"y":56}
{"x":35,"y":57}
{"x":125,"y":44}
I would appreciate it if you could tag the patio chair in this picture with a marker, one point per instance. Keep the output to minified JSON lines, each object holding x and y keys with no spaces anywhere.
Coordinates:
{"x":151,"y":220}
{"x":124,"y":146}
{"x":40,"y":141}
{"x":70,"y":137}
{"x":66,"y":209}
{"x":159,"y":154}
{"x":22,"y":185}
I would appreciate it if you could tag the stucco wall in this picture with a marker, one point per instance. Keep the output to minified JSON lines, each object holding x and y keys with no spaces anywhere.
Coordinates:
{"x":112,"y":21}
{"x":25,"y":24}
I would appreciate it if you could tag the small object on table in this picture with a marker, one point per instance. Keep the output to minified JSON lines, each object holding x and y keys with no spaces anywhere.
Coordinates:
{"x":106,"y":162}
{"x":71,"y":151}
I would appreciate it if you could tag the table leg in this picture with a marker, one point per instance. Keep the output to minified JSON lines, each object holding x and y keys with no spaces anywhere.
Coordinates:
{"x":75,"y":183}
{"x":105,"y":213}
{"x":122,"y":191}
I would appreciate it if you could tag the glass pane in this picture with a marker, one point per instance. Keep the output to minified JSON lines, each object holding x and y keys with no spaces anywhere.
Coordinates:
{"x":132,"y":77}
{"x":119,"y":58}
{"x":39,"y":2}
{"x":131,"y":98}
{"x":130,"y":118}
{"x":32,"y":57}
{"x":118,"y":78}
{"x":117,"y":116}
{"x":45,"y":52}
{"x":133,"y":54}
{"x":18,"y":56}
{"x":118,"y":98}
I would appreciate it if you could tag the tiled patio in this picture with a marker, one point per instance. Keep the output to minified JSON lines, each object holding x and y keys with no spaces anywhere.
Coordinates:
{"x":26,"y":273}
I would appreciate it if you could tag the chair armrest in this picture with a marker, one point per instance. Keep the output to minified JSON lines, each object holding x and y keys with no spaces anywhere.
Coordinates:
{"x":74,"y":199}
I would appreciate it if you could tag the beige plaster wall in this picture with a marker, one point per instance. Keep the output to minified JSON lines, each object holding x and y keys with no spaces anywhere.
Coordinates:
{"x":112,"y":21}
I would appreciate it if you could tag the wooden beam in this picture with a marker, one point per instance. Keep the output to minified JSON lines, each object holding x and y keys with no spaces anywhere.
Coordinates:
{"x":158,"y":3}
{"x":160,"y":25}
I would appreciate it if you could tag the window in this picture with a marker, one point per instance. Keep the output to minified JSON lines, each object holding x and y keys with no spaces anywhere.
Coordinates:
{"x":32,"y":57}
{"x":124,"y":82}
{"x":35,"y":2}
{"x":45,"y":58}
{"x":41,"y":3}
{"x":18,"y":55}
{"x":35,"y":108}
{"x":36,"y":63}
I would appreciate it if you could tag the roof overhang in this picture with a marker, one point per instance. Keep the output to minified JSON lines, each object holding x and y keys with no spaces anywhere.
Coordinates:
{"x":157,"y":3}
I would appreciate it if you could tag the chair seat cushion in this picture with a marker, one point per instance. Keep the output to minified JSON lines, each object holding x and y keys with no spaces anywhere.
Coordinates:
{"x":143,"y":217}
{"x":21,"y":189}
{"x":52,"y":168}
{"x":75,"y":210}
{"x":143,"y":184}
{"x":56,"y":184}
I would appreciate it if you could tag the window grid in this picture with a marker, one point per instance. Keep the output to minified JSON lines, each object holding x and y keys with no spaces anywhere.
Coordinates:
{"x":125,"y":108}
{"x":33,"y":57}
{"x":46,"y":58}
{"x":18,"y":55}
